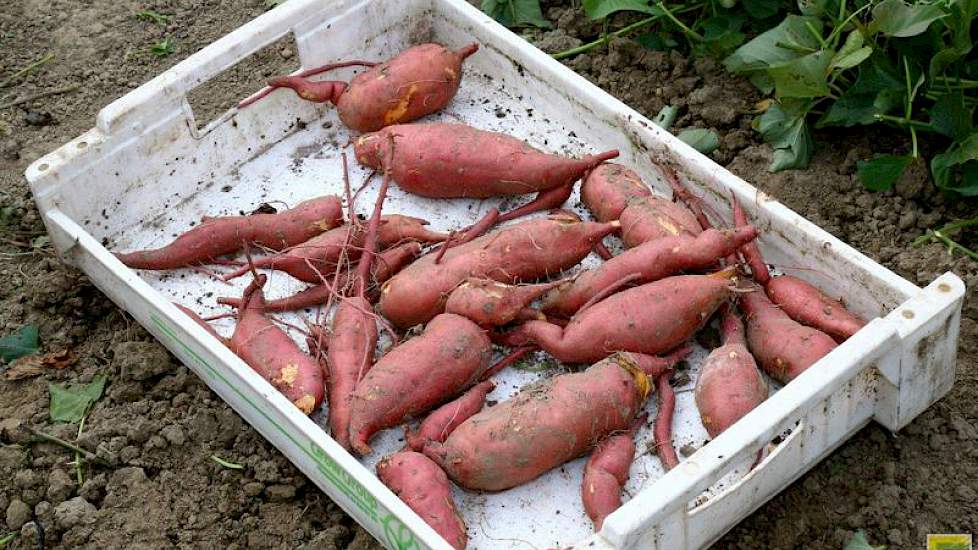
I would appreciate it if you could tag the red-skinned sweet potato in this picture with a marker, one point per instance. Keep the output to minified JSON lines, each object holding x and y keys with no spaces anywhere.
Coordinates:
{"x":385,"y":265}
{"x":317,"y":258}
{"x":801,"y":300}
{"x":783,"y":347}
{"x":273,"y":354}
{"x":443,"y":420}
{"x":651,"y":260}
{"x":216,"y":237}
{"x":662,"y":427}
{"x":424,"y":487}
{"x":729,"y":385}
{"x":545,"y":425}
{"x":606,"y":473}
{"x":200,"y":321}
{"x":448,"y":357}
{"x":418,"y":81}
{"x":652,"y":318}
{"x":653,"y":217}
{"x":609,"y":188}
{"x":524,"y":251}
{"x":493,"y":304}
{"x":442,"y":160}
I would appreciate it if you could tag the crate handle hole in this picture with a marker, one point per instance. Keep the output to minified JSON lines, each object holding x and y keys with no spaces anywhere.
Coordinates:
{"x":907,"y":314}
{"x":43,"y":167}
{"x":82,"y":144}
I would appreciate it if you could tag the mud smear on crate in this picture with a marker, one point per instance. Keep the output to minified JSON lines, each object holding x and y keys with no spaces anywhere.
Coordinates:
{"x":161,"y":424}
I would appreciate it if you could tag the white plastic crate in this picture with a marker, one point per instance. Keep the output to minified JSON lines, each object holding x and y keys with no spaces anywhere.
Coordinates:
{"x":146,"y":172}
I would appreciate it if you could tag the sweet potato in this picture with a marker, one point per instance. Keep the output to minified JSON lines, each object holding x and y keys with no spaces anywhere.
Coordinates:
{"x":424,"y":487}
{"x":523,"y":251}
{"x":273,"y":354}
{"x":662,"y":427}
{"x":545,"y":425}
{"x":651,"y":260}
{"x":385,"y":265}
{"x":317,"y":258}
{"x":443,"y":420}
{"x":606,"y":473}
{"x":729,"y":385}
{"x":783,"y":347}
{"x":609,"y":188}
{"x":200,"y":321}
{"x":801,"y":300}
{"x":653,"y":217}
{"x":216,"y":237}
{"x":442,"y":160}
{"x":418,"y":81}
{"x":651,"y":319}
{"x":493,"y":304}
{"x":449,"y":356}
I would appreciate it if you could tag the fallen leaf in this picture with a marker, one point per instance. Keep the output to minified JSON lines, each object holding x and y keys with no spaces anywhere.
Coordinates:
{"x":34,"y":365}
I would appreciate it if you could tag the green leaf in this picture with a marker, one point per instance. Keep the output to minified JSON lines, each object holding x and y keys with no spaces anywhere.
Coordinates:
{"x":6,"y":215}
{"x":703,"y":140}
{"x":962,"y":13}
{"x":599,"y":9}
{"x":783,"y":127}
{"x":783,"y":43}
{"x":516,"y":13}
{"x":19,"y":344}
{"x":761,"y":9}
{"x":950,"y":117}
{"x":852,"y":52}
{"x":666,"y":116}
{"x":658,"y":41}
{"x":763,"y":82}
{"x":897,"y":19}
{"x":722,"y":32}
{"x":71,"y":403}
{"x":804,"y":77}
{"x":8,"y":538}
{"x":882,"y":172}
{"x":812,"y":7}
{"x":942,"y":166}
{"x":877,"y":90}
{"x":859,"y":542}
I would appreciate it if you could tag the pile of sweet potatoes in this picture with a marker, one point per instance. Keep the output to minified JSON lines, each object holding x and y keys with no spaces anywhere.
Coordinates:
{"x":630,"y":318}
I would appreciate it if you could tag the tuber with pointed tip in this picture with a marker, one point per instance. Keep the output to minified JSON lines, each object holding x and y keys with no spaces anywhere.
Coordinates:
{"x":419,"y":81}
{"x":606,"y":473}
{"x":729,"y":385}
{"x":524,"y":251}
{"x":442,"y":160}
{"x":443,"y":420}
{"x":273,"y":354}
{"x":783,"y":347}
{"x":609,"y":189}
{"x":651,"y":261}
{"x":799,"y":299}
{"x":216,"y":237}
{"x":493,"y":304}
{"x":662,"y":426}
{"x":411,"y":379}
{"x":651,"y":318}
{"x":546,"y":424}
{"x":424,"y":487}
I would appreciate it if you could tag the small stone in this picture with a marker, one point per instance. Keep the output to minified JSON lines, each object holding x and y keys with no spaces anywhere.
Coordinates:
{"x":127,"y":477}
{"x":44,"y":512}
{"x":279,"y":493}
{"x":908,"y":219}
{"x":253,"y":489}
{"x":128,"y":454}
{"x":266,"y":471}
{"x":688,"y":449}
{"x":18,"y":513}
{"x":29,"y":531}
{"x":38,"y":118}
{"x":286,"y":53}
{"x":895,"y":537}
{"x":91,"y":490}
{"x":76,"y":511}
{"x":156,"y":442}
{"x":25,"y":479}
{"x":60,"y":486}
{"x":174,"y":434}
{"x":142,"y":360}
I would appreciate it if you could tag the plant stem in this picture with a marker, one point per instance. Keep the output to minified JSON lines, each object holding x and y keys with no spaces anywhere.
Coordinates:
{"x":913,"y":140}
{"x":78,"y":457}
{"x":816,"y":34}
{"x":688,"y":31}
{"x":910,"y":123}
{"x":26,"y":70}
{"x":71,"y":446}
{"x":942,"y":235}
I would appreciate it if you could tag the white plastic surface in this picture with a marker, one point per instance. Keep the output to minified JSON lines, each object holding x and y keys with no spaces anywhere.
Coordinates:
{"x":145,"y":174}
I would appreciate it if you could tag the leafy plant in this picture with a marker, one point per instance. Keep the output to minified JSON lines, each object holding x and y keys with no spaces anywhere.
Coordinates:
{"x":849,"y":64}
{"x":703,"y":140}
{"x":153,"y":17}
{"x":19,"y":344}
{"x":516,"y":13}
{"x":163,"y":48}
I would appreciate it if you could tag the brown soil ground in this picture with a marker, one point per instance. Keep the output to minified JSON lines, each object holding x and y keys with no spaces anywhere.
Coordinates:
{"x":162,"y":424}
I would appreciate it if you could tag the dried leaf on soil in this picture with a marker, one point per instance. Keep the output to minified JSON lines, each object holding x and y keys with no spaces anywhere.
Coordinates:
{"x":33,"y":365}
